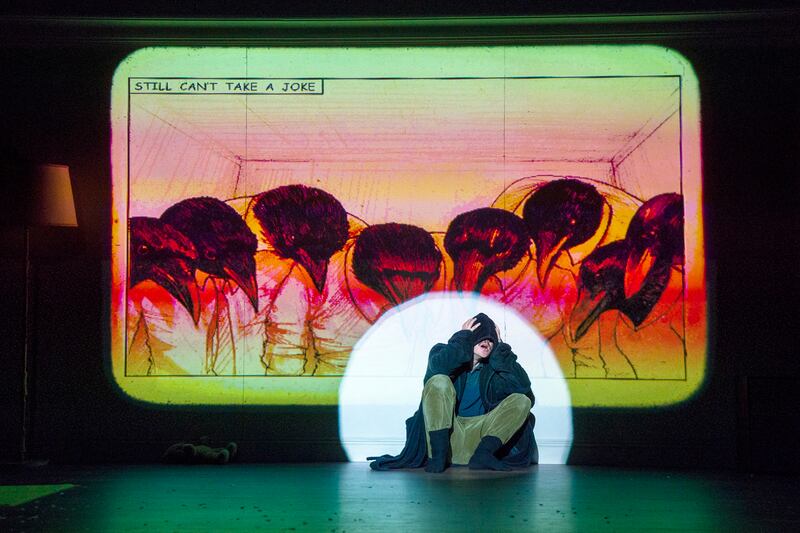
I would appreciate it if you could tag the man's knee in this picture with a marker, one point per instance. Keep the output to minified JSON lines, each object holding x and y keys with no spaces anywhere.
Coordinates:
{"x":439,"y":383}
{"x":519,"y":402}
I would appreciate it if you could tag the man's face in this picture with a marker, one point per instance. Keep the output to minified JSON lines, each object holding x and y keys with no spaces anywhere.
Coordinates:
{"x":483,"y":348}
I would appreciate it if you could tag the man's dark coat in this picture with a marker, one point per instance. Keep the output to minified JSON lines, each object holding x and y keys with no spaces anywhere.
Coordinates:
{"x":499,"y":378}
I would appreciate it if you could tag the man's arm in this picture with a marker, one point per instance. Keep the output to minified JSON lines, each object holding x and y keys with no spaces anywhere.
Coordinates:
{"x":512,"y":377}
{"x":447,"y":358}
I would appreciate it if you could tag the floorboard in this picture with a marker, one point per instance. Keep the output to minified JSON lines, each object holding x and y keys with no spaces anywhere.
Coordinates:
{"x":350,"y":497}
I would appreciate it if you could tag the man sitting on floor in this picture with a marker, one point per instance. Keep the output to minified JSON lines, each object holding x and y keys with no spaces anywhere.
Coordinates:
{"x":475,"y":407}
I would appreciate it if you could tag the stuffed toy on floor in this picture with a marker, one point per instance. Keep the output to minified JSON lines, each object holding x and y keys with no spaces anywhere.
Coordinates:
{"x":195,"y":454}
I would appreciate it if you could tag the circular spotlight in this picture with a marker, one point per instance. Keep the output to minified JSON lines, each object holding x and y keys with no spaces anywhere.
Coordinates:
{"x":382,"y":384}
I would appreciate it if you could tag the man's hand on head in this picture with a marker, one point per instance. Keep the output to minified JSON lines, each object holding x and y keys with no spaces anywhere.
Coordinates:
{"x":471,"y":325}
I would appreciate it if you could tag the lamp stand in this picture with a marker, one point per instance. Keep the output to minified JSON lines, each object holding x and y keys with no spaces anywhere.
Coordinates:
{"x":27,"y":348}
{"x":50,"y":204}
{"x":27,"y":357}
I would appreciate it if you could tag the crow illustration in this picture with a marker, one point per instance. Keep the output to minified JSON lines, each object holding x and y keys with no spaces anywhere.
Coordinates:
{"x":161,"y":253}
{"x":561,"y":214}
{"x":225,"y":245}
{"x":482,"y":243}
{"x":399,"y":261}
{"x":305,"y":224}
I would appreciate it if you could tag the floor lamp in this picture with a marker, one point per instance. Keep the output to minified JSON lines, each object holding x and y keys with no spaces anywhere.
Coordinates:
{"x":50,"y":204}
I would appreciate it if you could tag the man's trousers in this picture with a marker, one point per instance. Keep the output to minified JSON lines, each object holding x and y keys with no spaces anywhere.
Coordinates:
{"x":438,"y":408}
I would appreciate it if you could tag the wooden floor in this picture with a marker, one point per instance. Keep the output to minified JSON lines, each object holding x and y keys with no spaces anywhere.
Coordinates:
{"x":351,"y":497}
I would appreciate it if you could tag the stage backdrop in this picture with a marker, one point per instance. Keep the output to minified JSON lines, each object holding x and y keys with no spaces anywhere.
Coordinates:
{"x":273,"y":209}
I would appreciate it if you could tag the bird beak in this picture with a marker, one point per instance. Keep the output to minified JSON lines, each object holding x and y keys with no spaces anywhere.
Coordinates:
{"x":243,"y":272}
{"x":317,"y":269}
{"x":177,"y":277}
{"x":548,"y":247}
{"x":469,"y":273}
{"x":637,"y":268}
{"x":587,"y":310}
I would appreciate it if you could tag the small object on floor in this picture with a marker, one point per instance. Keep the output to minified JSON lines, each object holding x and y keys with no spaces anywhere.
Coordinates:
{"x":187,"y":453}
{"x":232,"y":450}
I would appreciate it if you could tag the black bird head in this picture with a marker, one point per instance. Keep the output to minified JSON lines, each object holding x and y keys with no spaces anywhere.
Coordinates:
{"x":600,"y":286}
{"x":161,"y":253}
{"x":303,"y":223}
{"x":559,"y":215}
{"x":225,"y":245}
{"x":483,"y":242}
{"x":632,"y":274}
{"x":655,"y":237}
{"x":399,"y":261}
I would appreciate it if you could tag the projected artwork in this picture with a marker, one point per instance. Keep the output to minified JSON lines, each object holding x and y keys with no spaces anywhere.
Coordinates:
{"x":274,"y":207}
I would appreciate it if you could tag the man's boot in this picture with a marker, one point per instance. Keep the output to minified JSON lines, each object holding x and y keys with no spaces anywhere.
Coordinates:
{"x":484,"y":459}
{"x":440,"y":450}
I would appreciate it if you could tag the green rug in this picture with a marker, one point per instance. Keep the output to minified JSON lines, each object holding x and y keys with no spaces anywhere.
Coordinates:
{"x":19,"y":494}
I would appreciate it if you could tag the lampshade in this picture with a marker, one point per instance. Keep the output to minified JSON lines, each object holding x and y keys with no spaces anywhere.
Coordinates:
{"x":51,"y":202}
